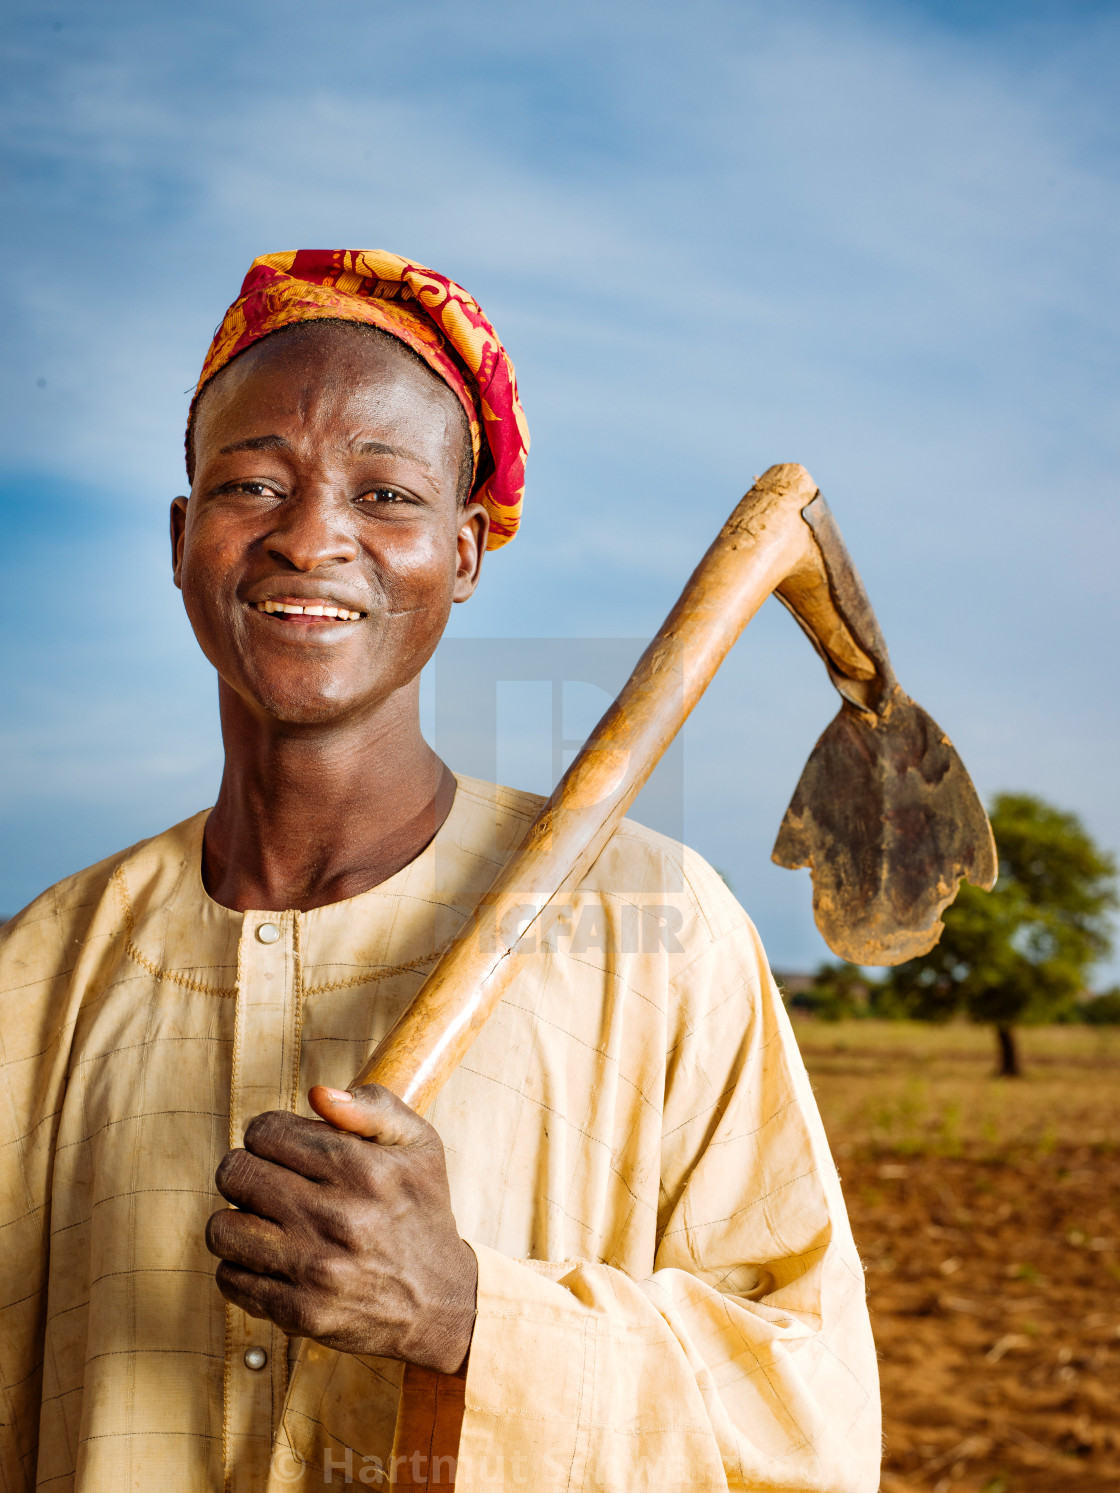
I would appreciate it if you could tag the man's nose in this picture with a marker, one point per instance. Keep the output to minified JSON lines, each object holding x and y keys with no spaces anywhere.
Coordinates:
{"x":314,"y":528}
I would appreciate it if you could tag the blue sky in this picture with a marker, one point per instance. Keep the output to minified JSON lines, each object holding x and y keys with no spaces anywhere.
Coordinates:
{"x":878,"y":238}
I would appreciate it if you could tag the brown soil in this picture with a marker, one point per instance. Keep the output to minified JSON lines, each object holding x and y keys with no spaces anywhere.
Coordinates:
{"x":995,"y":1299}
{"x":988,"y":1216}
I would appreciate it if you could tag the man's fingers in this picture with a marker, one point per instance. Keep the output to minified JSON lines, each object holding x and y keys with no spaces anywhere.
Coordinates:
{"x":314,"y":1151}
{"x":371,"y":1112}
{"x":259,"y":1295}
{"x":255,"y":1243}
{"x":260,"y":1186}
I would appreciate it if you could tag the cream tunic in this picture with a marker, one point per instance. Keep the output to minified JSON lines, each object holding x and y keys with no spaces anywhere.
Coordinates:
{"x":669,"y":1295}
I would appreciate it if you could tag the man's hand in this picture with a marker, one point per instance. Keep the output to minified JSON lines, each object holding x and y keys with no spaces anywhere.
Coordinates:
{"x":348,"y":1238}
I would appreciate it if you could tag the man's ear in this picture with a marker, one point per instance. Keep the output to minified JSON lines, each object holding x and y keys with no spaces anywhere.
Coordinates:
{"x":178,"y":534}
{"x":474,"y":526}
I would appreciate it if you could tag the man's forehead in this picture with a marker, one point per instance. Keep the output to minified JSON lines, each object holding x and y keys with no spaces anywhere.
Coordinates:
{"x":330,"y":355}
{"x":332,"y":387}
{"x":320,"y":370}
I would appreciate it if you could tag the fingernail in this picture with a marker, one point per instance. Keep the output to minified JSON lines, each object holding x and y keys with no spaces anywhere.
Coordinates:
{"x":339,"y":1096}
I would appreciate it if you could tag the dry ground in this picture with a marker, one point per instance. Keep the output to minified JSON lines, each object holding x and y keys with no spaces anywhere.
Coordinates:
{"x":988,"y":1215}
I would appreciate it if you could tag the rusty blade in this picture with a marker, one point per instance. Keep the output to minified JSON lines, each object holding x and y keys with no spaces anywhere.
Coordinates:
{"x":887,"y":820}
{"x":885,"y":815}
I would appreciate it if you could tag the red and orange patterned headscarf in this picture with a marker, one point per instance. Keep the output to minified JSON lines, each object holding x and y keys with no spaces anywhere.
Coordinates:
{"x":432,"y":315}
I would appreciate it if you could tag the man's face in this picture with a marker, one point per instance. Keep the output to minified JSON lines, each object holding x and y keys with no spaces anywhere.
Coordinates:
{"x":327,"y":469}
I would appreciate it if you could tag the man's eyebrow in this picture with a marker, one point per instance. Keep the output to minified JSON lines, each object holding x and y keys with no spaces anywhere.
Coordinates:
{"x":361,"y":448}
{"x":381,"y":448}
{"x":257,"y":443}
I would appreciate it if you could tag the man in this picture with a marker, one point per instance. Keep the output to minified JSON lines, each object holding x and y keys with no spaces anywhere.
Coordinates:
{"x":614,"y":1255}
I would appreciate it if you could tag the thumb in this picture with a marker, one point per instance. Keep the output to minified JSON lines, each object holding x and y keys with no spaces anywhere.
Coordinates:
{"x":371,"y":1111}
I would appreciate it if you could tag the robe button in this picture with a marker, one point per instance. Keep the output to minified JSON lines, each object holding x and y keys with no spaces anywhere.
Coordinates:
{"x":268,"y":933}
{"x":255,"y":1358}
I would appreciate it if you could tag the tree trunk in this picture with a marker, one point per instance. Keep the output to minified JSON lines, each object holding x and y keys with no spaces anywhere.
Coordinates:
{"x":1009,"y":1066}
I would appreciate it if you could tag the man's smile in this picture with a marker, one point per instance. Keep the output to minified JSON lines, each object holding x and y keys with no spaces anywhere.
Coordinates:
{"x":306,"y":611}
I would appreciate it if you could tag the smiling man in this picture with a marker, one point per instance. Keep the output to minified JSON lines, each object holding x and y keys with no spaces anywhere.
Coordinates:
{"x":614,"y":1255}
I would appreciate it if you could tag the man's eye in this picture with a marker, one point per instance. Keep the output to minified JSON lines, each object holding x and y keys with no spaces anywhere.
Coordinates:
{"x":383,"y":495}
{"x":254,"y":489}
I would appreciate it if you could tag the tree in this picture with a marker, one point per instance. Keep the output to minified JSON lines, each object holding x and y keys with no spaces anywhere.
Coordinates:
{"x":836,"y":991}
{"x":1020,"y":953}
{"x":1103,"y":1009}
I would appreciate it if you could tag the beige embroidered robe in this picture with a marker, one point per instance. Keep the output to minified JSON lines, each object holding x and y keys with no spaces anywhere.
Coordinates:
{"x":669,"y":1295}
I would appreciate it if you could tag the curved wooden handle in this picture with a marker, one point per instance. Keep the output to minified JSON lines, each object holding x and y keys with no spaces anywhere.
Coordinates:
{"x":766,"y":542}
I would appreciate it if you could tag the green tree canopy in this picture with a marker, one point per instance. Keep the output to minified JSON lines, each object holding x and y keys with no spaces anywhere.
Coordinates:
{"x":837,"y":991}
{"x":1020,"y":953}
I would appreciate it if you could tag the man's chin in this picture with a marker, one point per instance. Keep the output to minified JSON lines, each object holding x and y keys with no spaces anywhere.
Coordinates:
{"x":283,"y":708}
{"x":311,"y":717}
{"x":314,"y":713}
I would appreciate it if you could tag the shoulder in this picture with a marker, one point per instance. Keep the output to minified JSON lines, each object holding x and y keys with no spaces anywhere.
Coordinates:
{"x":638,"y":866}
{"x":491,"y":812}
{"x":653,"y":930}
{"x":47,"y":937}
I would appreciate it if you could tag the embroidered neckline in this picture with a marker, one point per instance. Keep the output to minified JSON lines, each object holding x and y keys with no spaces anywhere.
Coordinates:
{"x":229,"y":992}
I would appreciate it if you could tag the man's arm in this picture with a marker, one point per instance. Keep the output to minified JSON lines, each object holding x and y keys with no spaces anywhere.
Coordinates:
{"x":744,"y":1359}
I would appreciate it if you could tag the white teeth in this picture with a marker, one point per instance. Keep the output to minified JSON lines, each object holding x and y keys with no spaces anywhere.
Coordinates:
{"x":325,"y":610}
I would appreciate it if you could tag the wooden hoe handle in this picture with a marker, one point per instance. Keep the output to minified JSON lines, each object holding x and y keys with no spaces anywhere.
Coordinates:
{"x":764,"y":545}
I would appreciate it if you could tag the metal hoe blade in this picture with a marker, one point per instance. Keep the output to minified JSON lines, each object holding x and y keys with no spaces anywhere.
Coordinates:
{"x":885,"y":815}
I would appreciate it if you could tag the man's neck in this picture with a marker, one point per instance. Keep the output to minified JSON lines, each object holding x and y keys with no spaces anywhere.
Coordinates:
{"x":307,"y":817}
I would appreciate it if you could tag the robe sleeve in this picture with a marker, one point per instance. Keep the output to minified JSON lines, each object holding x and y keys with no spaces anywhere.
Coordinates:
{"x":744,"y":1360}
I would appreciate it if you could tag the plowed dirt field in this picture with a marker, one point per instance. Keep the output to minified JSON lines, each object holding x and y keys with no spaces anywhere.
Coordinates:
{"x":988,"y":1216}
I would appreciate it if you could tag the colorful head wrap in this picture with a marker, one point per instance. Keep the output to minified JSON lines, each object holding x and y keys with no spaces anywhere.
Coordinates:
{"x":432,"y":315}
